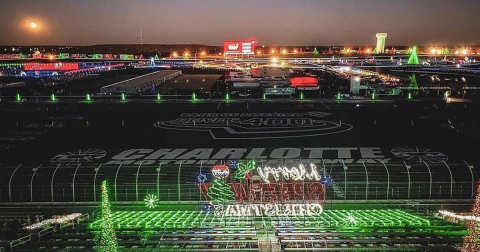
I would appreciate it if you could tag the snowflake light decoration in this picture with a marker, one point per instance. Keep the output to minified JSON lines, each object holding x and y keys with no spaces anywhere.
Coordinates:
{"x":151,"y":201}
{"x":201,"y":178}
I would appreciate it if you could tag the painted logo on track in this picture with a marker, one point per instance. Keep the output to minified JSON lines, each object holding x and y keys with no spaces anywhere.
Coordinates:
{"x":257,"y":125}
{"x":78,"y":156}
{"x":419,"y":155}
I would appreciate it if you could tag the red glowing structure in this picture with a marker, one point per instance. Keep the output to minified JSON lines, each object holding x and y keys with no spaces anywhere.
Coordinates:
{"x":305,"y":81}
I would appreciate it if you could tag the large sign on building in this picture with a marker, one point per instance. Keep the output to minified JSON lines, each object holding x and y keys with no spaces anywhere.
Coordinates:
{"x":239,"y":47}
{"x":51,"y":66}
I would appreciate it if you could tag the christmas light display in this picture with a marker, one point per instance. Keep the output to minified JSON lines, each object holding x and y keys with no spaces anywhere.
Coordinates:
{"x":221,"y":193}
{"x":55,"y":220}
{"x":108,"y":239}
{"x":201,"y":178}
{"x":374,"y":218}
{"x":315,"y":51}
{"x":470,"y":243}
{"x":458,"y":216}
{"x":151,"y":201}
{"x":414,"y":60}
{"x":244,"y":169}
{"x":233,"y":164}
{"x":269,"y":210}
{"x":220,"y":171}
{"x":294,"y":173}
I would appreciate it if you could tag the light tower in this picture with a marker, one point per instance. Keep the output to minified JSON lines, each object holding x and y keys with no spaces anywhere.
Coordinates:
{"x":381,"y":37}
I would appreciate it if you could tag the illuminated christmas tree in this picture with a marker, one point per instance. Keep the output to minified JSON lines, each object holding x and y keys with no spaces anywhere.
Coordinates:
{"x":470,"y":242}
{"x":414,"y":60}
{"x":315,"y":51}
{"x":221,"y":193}
{"x":108,"y":239}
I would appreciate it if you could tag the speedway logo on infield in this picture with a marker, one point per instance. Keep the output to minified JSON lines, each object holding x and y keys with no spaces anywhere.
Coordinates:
{"x":257,"y":125}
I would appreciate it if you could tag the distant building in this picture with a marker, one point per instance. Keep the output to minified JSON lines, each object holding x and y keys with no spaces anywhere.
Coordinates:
{"x":381,"y":38}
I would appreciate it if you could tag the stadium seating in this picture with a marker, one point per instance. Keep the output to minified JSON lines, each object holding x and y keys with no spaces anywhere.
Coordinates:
{"x":334,"y":230}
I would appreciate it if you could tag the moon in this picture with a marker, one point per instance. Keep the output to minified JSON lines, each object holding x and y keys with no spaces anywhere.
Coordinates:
{"x":33,"y":25}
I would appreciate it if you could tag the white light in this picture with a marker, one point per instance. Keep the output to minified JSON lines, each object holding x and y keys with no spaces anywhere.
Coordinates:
{"x":55,"y":220}
{"x":241,"y":210}
{"x":457,"y":216}
{"x":293,"y":173}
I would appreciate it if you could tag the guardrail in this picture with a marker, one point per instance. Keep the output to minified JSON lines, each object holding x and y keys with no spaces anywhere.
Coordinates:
{"x":46,"y":231}
{"x":20,"y":241}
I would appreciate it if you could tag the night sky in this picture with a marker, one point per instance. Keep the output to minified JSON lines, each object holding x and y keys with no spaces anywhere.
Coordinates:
{"x":271,"y":22}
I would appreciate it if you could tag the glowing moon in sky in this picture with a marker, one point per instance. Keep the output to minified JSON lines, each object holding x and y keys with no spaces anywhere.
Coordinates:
{"x":33,"y":25}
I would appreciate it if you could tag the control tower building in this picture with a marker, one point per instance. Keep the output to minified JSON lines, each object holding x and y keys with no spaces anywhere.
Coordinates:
{"x":381,"y":38}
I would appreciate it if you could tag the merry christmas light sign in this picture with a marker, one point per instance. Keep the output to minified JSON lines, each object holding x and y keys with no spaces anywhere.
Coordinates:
{"x":265,"y":191}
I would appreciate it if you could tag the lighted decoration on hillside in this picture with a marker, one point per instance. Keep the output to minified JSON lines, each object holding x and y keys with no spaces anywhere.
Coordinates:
{"x":220,"y":171}
{"x":221,"y":193}
{"x":244,"y":170}
{"x":108,"y":239}
{"x":151,"y":201}
{"x":470,"y":243}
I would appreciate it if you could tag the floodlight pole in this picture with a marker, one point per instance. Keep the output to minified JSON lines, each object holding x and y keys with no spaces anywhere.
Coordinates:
{"x":388,"y":179}
{"x":53,"y":176}
{"x":73,"y":182}
{"x":31,"y":182}
{"x":431,"y":180}
{"x":345,"y":184}
{"x":409,"y":181}
{"x":115,"y":186}
{"x":94,"y":184}
{"x":451,"y":179}
{"x":158,"y":179}
{"x":473,"y":180}
{"x":178,"y":180}
{"x":10,"y":183}
{"x":136,"y":181}
{"x":366,"y":186}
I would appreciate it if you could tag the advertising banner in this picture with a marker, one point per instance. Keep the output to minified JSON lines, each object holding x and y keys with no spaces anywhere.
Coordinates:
{"x":239,"y":47}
